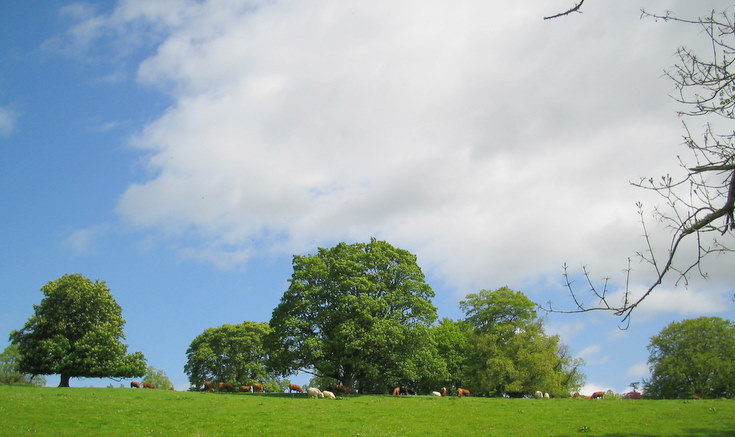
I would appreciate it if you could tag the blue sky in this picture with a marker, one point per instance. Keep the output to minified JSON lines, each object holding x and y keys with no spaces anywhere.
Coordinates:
{"x":183,"y":151}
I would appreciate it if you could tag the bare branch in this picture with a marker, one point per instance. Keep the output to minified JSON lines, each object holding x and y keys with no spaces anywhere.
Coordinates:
{"x":575,"y":8}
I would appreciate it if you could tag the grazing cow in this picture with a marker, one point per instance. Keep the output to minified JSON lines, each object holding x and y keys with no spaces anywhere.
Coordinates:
{"x":538,"y":395}
{"x":575,"y":395}
{"x":697,"y":398}
{"x":245,"y":388}
{"x":546,"y":396}
{"x":134,"y":384}
{"x":341,"y":390}
{"x":435,"y":393}
{"x":396,"y":391}
{"x":295,"y":387}
{"x":314,"y":392}
{"x":208,"y":386}
{"x":462,"y":392}
{"x":258,"y":388}
{"x":225,"y":386}
{"x":444,"y":391}
{"x":633,"y":395}
{"x":148,"y":385}
{"x":598,"y":395}
{"x":328,"y":395}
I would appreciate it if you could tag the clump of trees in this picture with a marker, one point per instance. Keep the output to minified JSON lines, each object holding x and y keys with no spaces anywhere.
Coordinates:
{"x":233,"y":354}
{"x":76,"y":331}
{"x":361,"y":315}
{"x":694,"y":357}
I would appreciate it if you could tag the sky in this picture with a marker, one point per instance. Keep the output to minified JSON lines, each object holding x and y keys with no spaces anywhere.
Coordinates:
{"x":183,"y":151}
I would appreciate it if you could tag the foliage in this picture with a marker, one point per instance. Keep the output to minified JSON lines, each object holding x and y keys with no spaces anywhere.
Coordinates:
{"x":694,"y":357}
{"x":76,"y":331}
{"x":229,"y":353}
{"x":509,"y":353}
{"x":157,"y":377}
{"x":80,"y":412}
{"x":350,"y":312}
{"x":10,"y":373}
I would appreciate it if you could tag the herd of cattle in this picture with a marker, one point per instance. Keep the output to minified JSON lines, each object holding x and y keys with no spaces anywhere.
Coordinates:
{"x":333,"y":390}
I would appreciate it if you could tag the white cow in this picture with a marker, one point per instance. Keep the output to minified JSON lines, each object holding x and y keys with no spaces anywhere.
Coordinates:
{"x":315,"y":392}
{"x":546,"y":396}
{"x":436,"y":393}
{"x":538,"y":394}
{"x":328,"y":395}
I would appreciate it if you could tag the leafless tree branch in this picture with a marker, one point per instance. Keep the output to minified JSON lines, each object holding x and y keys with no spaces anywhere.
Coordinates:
{"x":699,"y":206}
{"x":575,"y":8}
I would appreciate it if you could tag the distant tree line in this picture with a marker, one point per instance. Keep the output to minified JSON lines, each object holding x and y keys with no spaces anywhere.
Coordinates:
{"x":361,"y":315}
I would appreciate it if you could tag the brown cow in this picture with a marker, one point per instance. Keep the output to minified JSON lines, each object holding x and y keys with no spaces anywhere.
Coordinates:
{"x":148,"y":385}
{"x":134,"y":384}
{"x":396,"y":391}
{"x":575,"y":395}
{"x":598,"y":395}
{"x":208,"y":386}
{"x":257,"y":388}
{"x":444,"y":391}
{"x":462,"y":392}
{"x":633,"y":395}
{"x":245,"y":388}
{"x":295,"y":387}
{"x":226,"y":386}
{"x":341,"y":390}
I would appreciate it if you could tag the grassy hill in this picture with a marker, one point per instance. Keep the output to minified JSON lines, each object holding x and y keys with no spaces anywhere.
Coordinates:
{"x":117,"y":411}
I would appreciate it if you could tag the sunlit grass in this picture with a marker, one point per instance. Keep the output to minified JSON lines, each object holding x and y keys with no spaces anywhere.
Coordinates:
{"x":88,"y":411}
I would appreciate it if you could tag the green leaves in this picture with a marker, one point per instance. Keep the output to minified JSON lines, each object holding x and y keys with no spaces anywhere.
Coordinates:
{"x":349,"y":312}
{"x":694,"y":357}
{"x":76,"y":331}
{"x":229,"y":353}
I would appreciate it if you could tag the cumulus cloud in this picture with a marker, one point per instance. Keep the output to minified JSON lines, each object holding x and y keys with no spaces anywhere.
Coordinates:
{"x":492,"y":144}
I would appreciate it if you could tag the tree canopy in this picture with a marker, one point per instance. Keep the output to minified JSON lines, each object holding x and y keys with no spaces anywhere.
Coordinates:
{"x":694,"y":357}
{"x":229,"y":353}
{"x":351,"y":312}
{"x":509,"y":353}
{"x":76,"y":331}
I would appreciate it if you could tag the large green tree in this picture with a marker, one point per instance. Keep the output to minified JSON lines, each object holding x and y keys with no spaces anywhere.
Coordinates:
{"x":229,"y":353}
{"x":509,"y":352}
{"x":359,"y":313}
{"x":694,"y":357}
{"x":76,"y":331}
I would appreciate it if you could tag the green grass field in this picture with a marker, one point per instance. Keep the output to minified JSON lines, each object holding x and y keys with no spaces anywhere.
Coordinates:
{"x":117,"y":411}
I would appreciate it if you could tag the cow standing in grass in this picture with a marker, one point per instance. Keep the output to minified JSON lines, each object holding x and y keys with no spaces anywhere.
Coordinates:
{"x":295,"y":387}
{"x":134,"y":384}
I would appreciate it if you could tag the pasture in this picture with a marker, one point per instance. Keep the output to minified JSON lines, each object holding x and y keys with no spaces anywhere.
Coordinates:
{"x":117,"y":411}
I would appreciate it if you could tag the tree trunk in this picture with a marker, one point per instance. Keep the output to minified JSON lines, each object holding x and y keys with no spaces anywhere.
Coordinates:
{"x":64,"y":380}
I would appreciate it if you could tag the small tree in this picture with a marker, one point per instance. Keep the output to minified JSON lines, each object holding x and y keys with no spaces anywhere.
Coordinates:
{"x":9,"y":372}
{"x":509,"y":351}
{"x":229,"y":353}
{"x":76,"y":331}
{"x":157,"y":377}
{"x":694,"y":357}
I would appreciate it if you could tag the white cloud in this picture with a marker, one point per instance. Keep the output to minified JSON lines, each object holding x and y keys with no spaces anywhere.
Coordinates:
{"x":638,"y":370}
{"x":494,"y":145}
{"x":8,"y":121}
{"x":85,"y":241}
